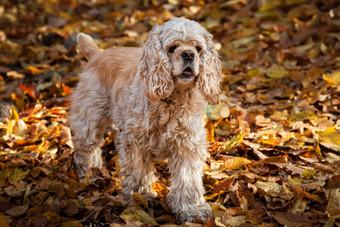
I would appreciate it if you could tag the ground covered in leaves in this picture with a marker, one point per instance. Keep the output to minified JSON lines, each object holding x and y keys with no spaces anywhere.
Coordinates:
{"x":274,"y":135}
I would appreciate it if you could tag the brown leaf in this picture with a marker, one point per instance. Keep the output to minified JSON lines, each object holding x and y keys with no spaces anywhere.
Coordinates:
{"x":210,"y":223}
{"x":17,"y":211}
{"x":71,"y":207}
{"x":297,"y":220}
{"x":223,"y":185}
{"x":71,"y":224}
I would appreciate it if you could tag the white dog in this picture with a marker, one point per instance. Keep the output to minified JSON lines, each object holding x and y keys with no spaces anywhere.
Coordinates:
{"x":156,"y":96}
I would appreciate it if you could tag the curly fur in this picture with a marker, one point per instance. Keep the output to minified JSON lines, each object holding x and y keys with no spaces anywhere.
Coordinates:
{"x":156,"y":97}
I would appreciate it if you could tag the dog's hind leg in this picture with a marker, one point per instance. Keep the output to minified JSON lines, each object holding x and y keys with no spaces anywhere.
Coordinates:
{"x":89,"y":117}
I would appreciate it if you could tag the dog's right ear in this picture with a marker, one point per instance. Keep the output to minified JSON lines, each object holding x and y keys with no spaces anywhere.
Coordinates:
{"x":87,"y":46}
{"x":155,"y":68}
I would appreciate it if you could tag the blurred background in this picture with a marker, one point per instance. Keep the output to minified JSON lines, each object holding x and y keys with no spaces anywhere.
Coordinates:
{"x":37,"y":37}
{"x":274,"y":136}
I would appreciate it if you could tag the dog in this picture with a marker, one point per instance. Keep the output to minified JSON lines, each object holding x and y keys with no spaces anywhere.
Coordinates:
{"x":156,"y":96}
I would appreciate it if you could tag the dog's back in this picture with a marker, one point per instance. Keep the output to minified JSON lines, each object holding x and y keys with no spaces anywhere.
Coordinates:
{"x":114,"y":67}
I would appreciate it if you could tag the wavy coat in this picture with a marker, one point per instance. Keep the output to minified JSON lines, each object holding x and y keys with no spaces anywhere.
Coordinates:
{"x":156,"y":96}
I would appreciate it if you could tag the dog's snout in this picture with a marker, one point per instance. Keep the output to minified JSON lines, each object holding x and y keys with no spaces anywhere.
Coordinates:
{"x":188,"y":55}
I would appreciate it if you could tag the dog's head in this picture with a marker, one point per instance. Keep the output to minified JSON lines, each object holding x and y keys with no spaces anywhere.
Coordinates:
{"x":180,"y":53}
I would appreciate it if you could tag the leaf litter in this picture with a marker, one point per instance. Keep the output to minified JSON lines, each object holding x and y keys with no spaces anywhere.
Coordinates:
{"x":274,"y":136}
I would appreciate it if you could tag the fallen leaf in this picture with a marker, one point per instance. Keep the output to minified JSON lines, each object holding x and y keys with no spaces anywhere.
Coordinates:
{"x":17,"y":211}
{"x":215,"y":112}
{"x":270,"y":188}
{"x":235,"y":163}
{"x":3,"y":222}
{"x":333,"y":78}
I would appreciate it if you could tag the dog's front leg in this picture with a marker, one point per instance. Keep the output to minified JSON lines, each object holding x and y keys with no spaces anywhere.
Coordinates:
{"x":137,"y":169}
{"x":186,"y":191}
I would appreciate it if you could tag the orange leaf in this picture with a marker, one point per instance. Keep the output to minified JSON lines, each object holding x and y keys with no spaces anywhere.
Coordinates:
{"x":68,"y":90}
{"x":30,"y":89}
{"x":33,"y":70}
{"x":160,"y":188}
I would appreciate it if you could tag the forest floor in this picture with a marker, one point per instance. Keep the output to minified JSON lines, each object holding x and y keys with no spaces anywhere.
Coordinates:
{"x":275,"y":141}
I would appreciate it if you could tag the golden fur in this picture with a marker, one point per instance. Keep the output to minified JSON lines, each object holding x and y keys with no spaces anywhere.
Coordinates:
{"x":156,"y":97}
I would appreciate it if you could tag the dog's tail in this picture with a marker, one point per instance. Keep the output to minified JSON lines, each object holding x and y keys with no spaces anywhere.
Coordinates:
{"x":87,"y":46}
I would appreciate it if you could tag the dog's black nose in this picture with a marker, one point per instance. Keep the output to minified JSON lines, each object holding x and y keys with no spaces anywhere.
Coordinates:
{"x":188,"y":55}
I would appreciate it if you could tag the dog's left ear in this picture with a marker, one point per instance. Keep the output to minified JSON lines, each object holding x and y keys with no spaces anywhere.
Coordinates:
{"x":210,"y":70}
{"x":155,"y":67}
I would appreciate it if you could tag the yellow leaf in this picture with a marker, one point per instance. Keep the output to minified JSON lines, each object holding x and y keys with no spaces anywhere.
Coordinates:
{"x":10,"y":126}
{"x":160,"y":188}
{"x":128,"y":215}
{"x":14,"y":114}
{"x":235,"y":163}
{"x":210,"y":131}
{"x":276,"y":72}
{"x":117,"y":165}
{"x":139,"y":199}
{"x":330,"y":135}
{"x":302,"y":116}
{"x":33,"y":70}
{"x":269,"y":5}
{"x":318,"y":151}
{"x":234,"y":141}
{"x":333,"y":78}
{"x":269,"y":139}
{"x":309,"y":174}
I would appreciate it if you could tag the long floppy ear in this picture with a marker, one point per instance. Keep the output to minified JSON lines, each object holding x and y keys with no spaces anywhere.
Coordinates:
{"x":155,"y":68}
{"x":210,"y":69}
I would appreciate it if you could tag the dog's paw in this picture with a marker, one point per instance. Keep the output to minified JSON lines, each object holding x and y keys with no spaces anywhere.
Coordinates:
{"x":147,"y":192}
{"x":202,"y":212}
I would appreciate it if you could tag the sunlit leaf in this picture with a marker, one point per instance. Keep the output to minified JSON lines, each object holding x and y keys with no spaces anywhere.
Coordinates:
{"x":270,"y":188}
{"x":330,"y":138}
{"x":210,"y":131}
{"x":215,"y":112}
{"x":333,"y":78}
{"x":234,"y":141}
{"x":235,"y":163}
{"x":160,"y":188}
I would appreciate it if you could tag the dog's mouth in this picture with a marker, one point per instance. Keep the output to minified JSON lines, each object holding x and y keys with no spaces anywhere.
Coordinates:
{"x":187,"y":74}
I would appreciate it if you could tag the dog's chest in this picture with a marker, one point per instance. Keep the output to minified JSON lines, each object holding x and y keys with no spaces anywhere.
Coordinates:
{"x":175,"y":129}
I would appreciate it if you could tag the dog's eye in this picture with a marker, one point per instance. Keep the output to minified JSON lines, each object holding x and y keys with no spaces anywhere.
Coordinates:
{"x":198,"y":48}
{"x":172,"y":49}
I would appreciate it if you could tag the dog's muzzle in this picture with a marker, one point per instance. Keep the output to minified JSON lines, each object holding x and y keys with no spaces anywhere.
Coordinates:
{"x":187,"y":74}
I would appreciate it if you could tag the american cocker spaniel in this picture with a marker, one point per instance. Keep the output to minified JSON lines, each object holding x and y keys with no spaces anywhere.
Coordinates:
{"x":156,"y":96}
